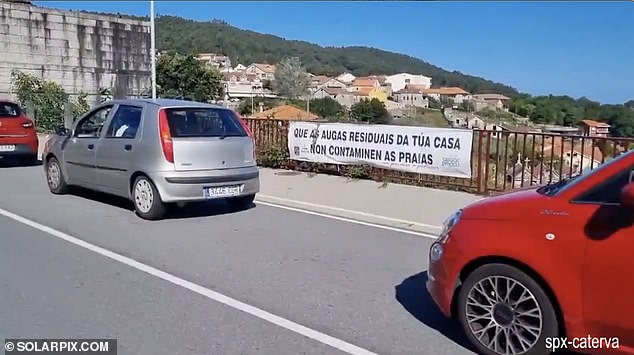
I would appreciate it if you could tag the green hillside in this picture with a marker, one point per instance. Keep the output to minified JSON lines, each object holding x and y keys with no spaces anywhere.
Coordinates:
{"x":246,"y":47}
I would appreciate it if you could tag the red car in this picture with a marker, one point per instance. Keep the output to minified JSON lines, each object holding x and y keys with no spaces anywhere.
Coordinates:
{"x":18,"y":137}
{"x":532,"y":271}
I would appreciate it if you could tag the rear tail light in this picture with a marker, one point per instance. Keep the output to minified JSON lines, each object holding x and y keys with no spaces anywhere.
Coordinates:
{"x":28,"y":124}
{"x":167,"y":143}
{"x":246,"y":127}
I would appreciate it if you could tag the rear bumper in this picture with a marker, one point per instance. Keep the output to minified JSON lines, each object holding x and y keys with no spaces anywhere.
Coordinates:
{"x":19,"y":151}
{"x":187,"y":186}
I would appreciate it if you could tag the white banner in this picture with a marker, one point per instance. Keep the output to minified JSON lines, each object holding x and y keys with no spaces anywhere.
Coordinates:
{"x":435,"y":151}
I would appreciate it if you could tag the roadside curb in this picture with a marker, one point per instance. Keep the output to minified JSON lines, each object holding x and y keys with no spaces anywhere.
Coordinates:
{"x":427,"y":230}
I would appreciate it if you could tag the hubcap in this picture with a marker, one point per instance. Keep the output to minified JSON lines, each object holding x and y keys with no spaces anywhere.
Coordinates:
{"x":54,"y":175}
{"x":504,"y":315}
{"x":143,"y":196}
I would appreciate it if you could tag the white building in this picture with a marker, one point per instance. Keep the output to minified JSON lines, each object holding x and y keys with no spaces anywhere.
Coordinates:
{"x":346,"y":78}
{"x":239,"y":85}
{"x":399,"y":81}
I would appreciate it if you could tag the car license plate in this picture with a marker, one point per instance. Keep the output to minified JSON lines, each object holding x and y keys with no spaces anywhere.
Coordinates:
{"x":221,"y":191}
{"x":7,"y":148}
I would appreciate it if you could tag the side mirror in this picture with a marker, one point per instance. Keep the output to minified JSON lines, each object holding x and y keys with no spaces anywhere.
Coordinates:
{"x":627,"y":195}
{"x":62,"y":131}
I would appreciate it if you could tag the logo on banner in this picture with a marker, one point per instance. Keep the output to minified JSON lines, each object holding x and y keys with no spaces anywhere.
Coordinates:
{"x":450,"y":162}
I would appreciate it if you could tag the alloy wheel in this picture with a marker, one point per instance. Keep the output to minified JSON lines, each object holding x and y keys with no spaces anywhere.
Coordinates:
{"x":503,"y":315}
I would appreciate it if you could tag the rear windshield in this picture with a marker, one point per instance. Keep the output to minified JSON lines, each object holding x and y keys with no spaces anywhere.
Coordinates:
{"x":204,"y":122}
{"x":9,"y":109}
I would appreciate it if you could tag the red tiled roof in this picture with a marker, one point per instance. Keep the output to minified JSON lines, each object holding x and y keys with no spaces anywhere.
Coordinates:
{"x":593,"y":123}
{"x":447,"y":91}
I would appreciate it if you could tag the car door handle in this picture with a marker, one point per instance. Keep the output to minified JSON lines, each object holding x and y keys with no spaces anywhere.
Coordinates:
{"x":127,"y":147}
{"x":91,"y":146}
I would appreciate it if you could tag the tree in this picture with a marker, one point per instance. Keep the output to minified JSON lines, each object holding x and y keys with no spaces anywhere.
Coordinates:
{"x":291,"y":80}
{"x":371,"y":111}
{"x":326,"y":108}
{"x":248,"y":107}
{"x":467,"y":105}
{"x":433,"y":103}
{"x":184,"y":77}
{"x":48,"y":100}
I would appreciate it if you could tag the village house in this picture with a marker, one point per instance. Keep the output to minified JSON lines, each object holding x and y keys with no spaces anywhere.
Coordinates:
{"x":411,"y":96}
{"x":494,"y":102}
{"x":475,"y":122}
{"x":342,"y":96}
{"x":346,"y":78}
{"x":370,"y":93}
{"x":240,"y":85}
{"x":214,"y":60}
{"x":320,"y":81}
{"x":575,"y":153}
{"x":240,"y":67}
{"x":399,"y":81}
{"x":594,"y":128}
{"x":455,"y":94}
{"x":364,"y":82}
{"x":263,"y":71}
{"x":386,"y":86}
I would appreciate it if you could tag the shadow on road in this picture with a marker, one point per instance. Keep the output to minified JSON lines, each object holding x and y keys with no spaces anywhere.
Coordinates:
{"x":189,"y":210}
{"x":8,"y":162}
{"x":413,"y":296}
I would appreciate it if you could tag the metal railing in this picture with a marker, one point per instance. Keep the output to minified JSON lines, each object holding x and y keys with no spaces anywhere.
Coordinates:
{"x":501,"y":160}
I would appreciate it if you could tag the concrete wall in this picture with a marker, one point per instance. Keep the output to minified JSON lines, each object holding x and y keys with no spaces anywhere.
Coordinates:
{"x":80,"y":51}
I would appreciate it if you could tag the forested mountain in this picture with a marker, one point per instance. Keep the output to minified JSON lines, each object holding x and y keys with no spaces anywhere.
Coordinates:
{"x":246,"y":47}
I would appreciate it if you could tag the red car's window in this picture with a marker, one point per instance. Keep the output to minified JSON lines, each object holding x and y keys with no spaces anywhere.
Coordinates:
{"x":8,"y":109}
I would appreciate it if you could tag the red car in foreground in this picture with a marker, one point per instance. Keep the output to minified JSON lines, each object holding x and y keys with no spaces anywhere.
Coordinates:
{"x":18,"y":137}
{"x":531,"y":271}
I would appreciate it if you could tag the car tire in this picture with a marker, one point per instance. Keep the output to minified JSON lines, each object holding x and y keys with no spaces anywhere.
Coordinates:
{"x":147,"y":200}
{"x":241,"y":203}
{"x":55,"y":177}
{"x":502,"y":310}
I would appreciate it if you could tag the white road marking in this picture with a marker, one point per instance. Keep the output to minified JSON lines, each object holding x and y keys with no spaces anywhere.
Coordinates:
{"x":349,"y":220}
{"x":359,"y":213}
{"x":213,"y":295}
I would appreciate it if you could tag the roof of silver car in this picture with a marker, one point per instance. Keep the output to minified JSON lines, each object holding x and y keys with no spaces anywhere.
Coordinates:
{"x":166,"y":102}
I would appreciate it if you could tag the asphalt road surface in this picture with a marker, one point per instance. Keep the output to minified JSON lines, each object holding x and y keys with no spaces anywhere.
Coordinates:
{"x":261,"y":281}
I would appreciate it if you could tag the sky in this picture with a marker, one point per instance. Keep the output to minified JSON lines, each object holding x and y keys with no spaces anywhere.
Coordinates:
{"x":560,"y":48}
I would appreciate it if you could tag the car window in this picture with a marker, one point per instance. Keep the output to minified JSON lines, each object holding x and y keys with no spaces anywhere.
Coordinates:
{"x":125,"y":122}
{"x":91,"y":125}
{"x":204,"y":122}
{"x":608,"y":192}
{"x":9,"y":109}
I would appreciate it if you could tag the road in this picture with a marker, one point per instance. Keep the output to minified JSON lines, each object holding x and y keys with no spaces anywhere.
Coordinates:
{"x":262,"y":281}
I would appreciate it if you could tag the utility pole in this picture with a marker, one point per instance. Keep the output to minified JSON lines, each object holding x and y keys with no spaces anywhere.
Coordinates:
{"x":153,"y":48}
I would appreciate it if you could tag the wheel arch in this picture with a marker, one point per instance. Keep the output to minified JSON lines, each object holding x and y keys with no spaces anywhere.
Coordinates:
{"x":474,"y":264}
{"x":49,"y":156}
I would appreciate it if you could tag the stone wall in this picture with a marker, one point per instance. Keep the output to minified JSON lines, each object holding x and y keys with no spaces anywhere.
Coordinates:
{"x":80,"y":51}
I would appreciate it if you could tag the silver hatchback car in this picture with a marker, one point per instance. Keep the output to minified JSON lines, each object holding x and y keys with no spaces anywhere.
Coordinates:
{"x":156,"y":152}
